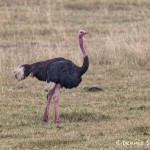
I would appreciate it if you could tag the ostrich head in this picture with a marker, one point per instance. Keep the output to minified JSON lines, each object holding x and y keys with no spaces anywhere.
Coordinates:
{"x":22,"y":72}
{"x":82,"y":33}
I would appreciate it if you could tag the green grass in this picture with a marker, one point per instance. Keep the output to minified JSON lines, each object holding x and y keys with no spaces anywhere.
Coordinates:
{"x":91,"y":118}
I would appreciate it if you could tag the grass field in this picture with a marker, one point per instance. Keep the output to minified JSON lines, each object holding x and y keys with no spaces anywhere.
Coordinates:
{"x":118,"y":117}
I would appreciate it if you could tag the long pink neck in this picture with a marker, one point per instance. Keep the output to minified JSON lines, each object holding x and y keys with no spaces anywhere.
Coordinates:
{"x":81,"y":46}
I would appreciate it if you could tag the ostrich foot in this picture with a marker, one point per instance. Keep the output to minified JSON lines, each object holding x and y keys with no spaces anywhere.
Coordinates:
{"x":56,"y":121}
{"x":45,"y":117}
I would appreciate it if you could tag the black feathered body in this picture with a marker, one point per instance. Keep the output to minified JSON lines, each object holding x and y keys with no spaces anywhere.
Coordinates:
{"x":64,"y":72}
{"x":58,"y":70}
{"x":39,"y":69}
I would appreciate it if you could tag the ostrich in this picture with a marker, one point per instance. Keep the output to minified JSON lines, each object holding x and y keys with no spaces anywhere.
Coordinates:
{"x":57,"y":73}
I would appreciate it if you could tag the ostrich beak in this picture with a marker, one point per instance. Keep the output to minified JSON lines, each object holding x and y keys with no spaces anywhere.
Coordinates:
{"x":86,"y":32}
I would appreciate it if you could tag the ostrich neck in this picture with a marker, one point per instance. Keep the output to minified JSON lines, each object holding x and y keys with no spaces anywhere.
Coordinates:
{"x":85,"y":65}
{"x":82,"y":46}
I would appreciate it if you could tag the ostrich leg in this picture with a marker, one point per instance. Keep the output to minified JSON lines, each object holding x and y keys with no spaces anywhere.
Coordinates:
{"x":56,"y":92}
{"x":46,"y":112}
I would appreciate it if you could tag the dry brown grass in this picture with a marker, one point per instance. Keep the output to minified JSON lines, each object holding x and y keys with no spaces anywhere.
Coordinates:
{"x":33,"y":30}
{"x":118,"y":47}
